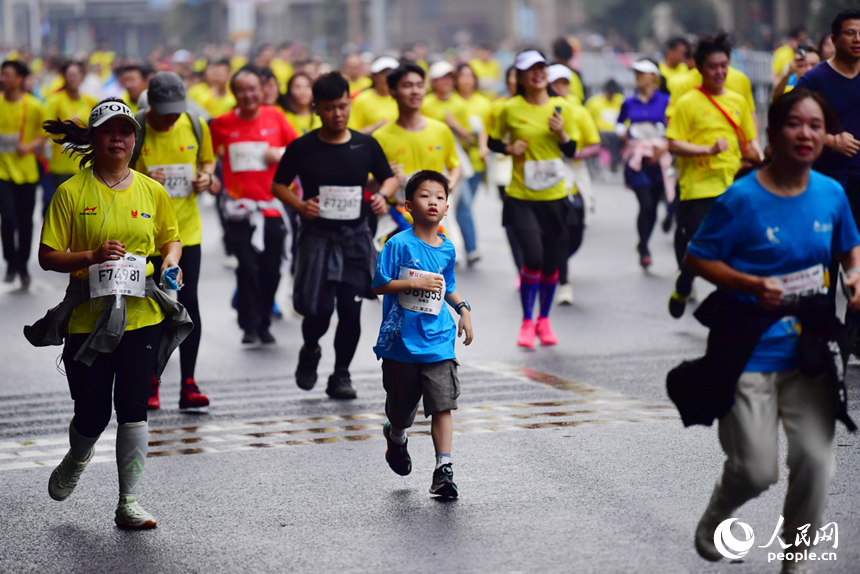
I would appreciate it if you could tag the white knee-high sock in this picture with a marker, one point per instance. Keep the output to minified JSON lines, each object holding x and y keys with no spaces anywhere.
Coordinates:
{"x":81,"y":445}
{"x":132,"y":443}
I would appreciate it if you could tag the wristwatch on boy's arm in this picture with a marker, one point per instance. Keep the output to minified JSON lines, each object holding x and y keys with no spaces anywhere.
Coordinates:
{"x":462,"y":304}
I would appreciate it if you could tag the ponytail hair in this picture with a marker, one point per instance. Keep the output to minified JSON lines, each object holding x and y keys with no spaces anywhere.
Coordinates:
{"x":76,"y":139}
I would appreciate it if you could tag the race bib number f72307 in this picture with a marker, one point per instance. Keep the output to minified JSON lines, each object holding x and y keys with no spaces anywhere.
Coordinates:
{"x":540,"y":175}
{"x":178,"y":179}
{"x":248,"y":156}
{"x":419,"y":300}
{"x":803,"y":283}
{"x":126,"y":276}
{"x":340,"y":202}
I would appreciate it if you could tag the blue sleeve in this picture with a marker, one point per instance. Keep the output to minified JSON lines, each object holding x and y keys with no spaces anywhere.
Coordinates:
{"x":386,"y":265}
{"x":716,"y":236}
{"x":448,"y":273}
{"x":624,"y":114}
{"x":845,"y":234}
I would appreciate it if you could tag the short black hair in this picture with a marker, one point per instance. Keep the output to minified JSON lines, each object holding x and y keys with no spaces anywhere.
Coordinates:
{"x":677,"y":41}
{"x":144,"y":71}
{"x":331,"y":86}
{"x":20,"y":68}
{"x":836,"y":25}
{"x":708,"y":45}
{"x":246,"y":69}
{"x":420,"y":177}
{"x":562,"y":50}
{"x":220,"y":62}
{"x":69,"y":63}
{"x":394,"y":77}
{"x":266,"y":73}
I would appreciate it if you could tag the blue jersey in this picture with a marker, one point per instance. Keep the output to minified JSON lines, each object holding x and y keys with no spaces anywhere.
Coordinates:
{"x":415,"y":336}
{"x":754,"y":231}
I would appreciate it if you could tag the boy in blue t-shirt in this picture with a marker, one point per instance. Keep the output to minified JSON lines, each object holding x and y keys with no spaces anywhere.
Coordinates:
{"x":415,"y":272}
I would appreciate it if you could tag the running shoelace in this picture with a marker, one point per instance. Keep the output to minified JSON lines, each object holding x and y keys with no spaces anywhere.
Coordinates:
{"x":68,"y":477}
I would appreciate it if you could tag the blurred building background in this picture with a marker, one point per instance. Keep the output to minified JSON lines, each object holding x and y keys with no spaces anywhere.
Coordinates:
{"x":133,"y":27}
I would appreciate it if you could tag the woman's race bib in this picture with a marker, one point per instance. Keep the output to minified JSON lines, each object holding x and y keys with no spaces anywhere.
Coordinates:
{"x":419,"y":300}
{"x":340,"y":202}
{"x":126,"y":276}
{"x":178,"y":179}
{"x":248,"y":156}
{"x":540,"y":175}
{"x":804,"y":283}
{"x":8,"y":143}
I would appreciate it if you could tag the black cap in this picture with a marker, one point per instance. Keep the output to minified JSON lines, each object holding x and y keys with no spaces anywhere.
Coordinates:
{"x":166,"y":93}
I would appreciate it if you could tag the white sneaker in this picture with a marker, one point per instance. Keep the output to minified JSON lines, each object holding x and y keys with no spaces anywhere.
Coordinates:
{"x":130,"y":514}
{"x":564,"y":295}
{"x":65,"y":477}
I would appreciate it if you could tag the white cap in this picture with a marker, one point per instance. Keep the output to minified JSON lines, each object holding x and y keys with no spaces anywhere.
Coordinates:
{"x":558,"y":72}
{"x":646,"y":67}
{"x":110,"y":109}
{"x":527,"y":59}
{"x":383,"y":63}
{"x":181,"y":56}
{"x":440,"y":69}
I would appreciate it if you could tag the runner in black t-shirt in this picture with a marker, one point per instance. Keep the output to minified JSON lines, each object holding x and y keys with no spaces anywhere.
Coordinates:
{"x":335,"y":256}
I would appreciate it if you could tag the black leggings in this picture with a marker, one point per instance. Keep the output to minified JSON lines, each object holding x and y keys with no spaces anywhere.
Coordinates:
{"x":17,"y":204}
{"x":690,"y":215}
{"x":516,"y":250}
{"x":541,"y":230}
{"x":125,"y":375}
{"x":348,"y":321}
{"x":649,"y":198}
{"x":187,"y":296}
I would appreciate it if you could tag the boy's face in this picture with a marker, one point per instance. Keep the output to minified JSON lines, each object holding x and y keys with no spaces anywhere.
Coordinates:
{"x":429,"y":204}
{"x":410,"y":91}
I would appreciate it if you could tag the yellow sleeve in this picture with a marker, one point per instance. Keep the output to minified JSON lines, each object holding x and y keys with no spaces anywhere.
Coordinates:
{"x":57,"y":227}
{"x":207,"y":154}
{"x":167,"y":228}
{"x":452,"y":160}
{"x":679,"y":127}
{"x":588,"y":129}
{"x":570,"y":124}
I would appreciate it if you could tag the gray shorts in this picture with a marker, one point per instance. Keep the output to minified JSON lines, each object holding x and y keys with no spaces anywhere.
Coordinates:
{"x":406,"y":383}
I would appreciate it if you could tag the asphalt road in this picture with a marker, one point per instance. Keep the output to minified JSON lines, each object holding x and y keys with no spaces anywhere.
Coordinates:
{"x":568,"y":459}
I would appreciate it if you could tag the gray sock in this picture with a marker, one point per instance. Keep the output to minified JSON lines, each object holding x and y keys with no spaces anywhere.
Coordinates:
{"x":132,"y":442}
{"x":81,"y":445}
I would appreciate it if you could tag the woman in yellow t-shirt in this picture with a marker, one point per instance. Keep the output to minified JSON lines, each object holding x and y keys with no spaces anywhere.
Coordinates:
{"x":541,"y":129}
{"x":101,"y":226}
{"x":296,"y":104}
{"x":68,"y":103}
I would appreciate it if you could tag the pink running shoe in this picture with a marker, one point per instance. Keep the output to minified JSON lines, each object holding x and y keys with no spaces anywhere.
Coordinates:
{"x":545,"y":333}
{"x":527,"y":334}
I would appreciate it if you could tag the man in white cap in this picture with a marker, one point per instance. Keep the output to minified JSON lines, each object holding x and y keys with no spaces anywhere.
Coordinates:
{"x":444,"y":104}
{"x":374,"y":107}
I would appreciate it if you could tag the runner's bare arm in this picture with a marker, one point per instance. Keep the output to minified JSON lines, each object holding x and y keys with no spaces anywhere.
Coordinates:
{"x":682,"y":148}
{"x":765,"y":289}
{"x":171,"y":253}
{"x":425,"y":283}
{"x":465,"y":323}
{"x":309,"y":209}
{"x":454,"y":176}
{"x":51,"y":259}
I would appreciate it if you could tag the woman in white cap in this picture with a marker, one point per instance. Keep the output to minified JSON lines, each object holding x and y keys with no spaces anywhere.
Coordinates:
{"x":646,"y":155}
{"x":541,"y":129}
{"x":101,"y":226}
{"x":374,"y":107}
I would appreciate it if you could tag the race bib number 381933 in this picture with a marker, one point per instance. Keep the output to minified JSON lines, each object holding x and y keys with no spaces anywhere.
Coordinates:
{"x":126,"y":276}
{"x":419,"y":300}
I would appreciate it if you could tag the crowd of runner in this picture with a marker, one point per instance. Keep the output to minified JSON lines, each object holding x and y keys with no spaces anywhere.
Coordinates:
{"x":363,"y":180}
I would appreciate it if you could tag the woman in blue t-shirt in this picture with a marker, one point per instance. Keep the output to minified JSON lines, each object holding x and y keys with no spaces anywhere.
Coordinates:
{"x":646,"y":154}
{"x":770,"y":239}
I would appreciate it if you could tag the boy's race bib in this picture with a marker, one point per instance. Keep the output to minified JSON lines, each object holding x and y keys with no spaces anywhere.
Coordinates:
{"x":419,"y":300}
{"x":803,"y":283}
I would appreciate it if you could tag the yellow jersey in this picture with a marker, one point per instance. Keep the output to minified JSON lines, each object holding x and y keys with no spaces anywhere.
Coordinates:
{"x":576,"y":88}
{"x":237,"y":62}
{"x":782,"y":58}
{"x":587,"y":127}
{"x":62,"y":107}
{"x":177,"y":148}
{"x":480,"y":109}
{"x":20,"y":122}
{"x":127,"y":99}
{"x":605,"y":111}
{"x":430,"y":148}
{"x":736,"y":81}
{"x":520,"y":120}
{"x":84,"y":213}
{"x":698,"y":121}
{"x":670,"y":73}
{"x":433,"y":107}
{"x":283,"y":71}
{"x":219,"y":105}
{"x":368,"y":107}
{"x":360,"y":84}
{"x":488,"y":74}
{"x":199,"y":93}
{"x":303,"y":124}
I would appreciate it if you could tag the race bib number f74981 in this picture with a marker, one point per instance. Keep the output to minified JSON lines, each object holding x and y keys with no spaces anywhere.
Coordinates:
{"x":248,"y":156}
{"x":419,"y":300}
{"x":126,"y":276}
{"x":540,"y":175}
{"x":340,"y":202}
{"x":803,"y":283}
{"x":178,"y":178}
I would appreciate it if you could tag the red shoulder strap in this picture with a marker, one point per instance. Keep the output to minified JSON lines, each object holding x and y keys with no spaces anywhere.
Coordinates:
{"x":742,"y":138}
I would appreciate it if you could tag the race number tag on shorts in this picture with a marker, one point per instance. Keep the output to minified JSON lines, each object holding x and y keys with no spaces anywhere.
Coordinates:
{"x":126,"y":276}
{"x":540,"y":175}
{"x":419,"y":300}
{"x":340,"y":201}
{"x":248,"y":156}
{"x":803,"y":283}
{"x":8,"y":143}
{"x":178,"y":178}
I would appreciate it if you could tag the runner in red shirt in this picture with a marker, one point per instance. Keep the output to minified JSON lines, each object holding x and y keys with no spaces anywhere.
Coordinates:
{"x":251,"y":140}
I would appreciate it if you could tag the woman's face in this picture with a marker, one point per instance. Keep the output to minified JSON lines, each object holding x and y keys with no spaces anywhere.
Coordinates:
{"x":466,"y":81}
{"x":74,"y":76}
{"x":271,"y":91}
{"x":113,"y":140}
{"x":645,"y":81}
{"x":801,"y":138}
{"x":301,"y":91}
{"x":535,"y":77}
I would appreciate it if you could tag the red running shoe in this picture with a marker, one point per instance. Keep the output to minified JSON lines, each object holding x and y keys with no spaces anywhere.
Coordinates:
{"x":545,"y":333}
{"x":154,"y":402}
{"x":527,"y":334}
{"x":190,"y":396}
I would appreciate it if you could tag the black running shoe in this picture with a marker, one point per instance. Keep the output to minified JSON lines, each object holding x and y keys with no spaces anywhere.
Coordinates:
{"x":340,"y":386}
{"x":677,"y":304}
{"x":443,"y":482}
{"x":397,"y":455}
{"x":250,"y":338}
{"x":306,"y":371}
{"x":266,"y":337}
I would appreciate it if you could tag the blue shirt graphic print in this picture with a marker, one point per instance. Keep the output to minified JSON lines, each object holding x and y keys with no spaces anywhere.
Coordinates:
{"x":755,"y":231}
{"x":414,"y":336}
